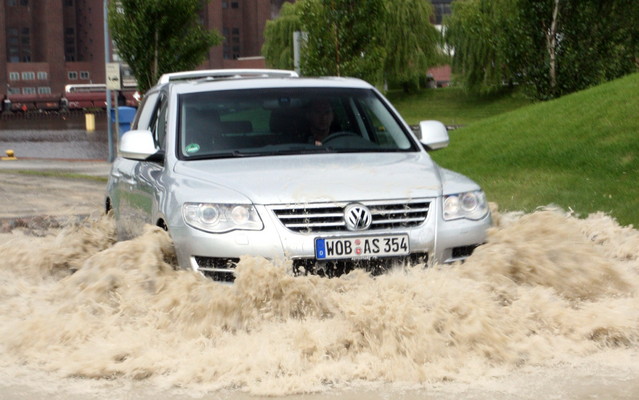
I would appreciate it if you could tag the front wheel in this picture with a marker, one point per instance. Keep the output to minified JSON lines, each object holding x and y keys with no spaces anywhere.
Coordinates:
{"x":168,"y":251}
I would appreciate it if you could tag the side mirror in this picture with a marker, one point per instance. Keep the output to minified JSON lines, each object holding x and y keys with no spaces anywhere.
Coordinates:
{"x":137,"y":145}
{"x":434,"y":135}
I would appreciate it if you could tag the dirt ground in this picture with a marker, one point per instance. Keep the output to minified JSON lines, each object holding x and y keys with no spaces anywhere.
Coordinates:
{"x":40,"y":194}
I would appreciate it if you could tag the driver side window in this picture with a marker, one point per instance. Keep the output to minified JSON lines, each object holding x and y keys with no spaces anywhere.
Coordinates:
{"x":147,"y":111}
{"x":158,"y":122}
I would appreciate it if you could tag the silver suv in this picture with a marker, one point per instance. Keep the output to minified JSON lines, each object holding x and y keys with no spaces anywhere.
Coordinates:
{"x":320,"y":171}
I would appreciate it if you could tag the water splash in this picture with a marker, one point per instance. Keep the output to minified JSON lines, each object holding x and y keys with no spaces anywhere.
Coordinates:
{"x":547,"y":287}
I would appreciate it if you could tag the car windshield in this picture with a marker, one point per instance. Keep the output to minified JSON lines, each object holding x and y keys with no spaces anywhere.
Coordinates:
{"x":248,"y":123}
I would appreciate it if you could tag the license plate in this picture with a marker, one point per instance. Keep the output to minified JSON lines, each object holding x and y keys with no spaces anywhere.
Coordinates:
{"x":361,"y":247}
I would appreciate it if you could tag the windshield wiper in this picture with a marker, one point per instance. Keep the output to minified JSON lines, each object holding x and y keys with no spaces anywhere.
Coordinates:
{"x":266,"y":151}
{"x":226,"y":154}
{"x":298,"y":150}
{"x":262,"y":153}
{"x":368,"y":150}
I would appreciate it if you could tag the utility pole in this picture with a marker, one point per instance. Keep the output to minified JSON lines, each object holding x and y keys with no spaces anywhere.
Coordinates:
{"x":107,"y":59}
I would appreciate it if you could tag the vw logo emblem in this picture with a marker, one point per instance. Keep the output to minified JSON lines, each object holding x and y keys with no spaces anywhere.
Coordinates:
{"x":357,"y":217}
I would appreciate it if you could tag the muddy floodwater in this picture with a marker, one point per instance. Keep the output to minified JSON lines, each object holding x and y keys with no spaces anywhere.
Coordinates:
{"x":548,"y":308}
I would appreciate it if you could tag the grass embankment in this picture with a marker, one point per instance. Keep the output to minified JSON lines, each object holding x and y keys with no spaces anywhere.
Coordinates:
{"x":453,"y":106}
{"x":579,"y":152}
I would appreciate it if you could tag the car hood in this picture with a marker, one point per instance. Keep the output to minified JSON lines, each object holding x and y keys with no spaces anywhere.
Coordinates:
{"x":319,"y":177}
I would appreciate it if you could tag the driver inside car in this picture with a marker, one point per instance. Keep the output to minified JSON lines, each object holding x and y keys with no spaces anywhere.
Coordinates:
{"x":319,"y":115}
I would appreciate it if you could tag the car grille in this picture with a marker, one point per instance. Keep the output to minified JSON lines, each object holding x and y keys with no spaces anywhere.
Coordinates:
{"x":374,"y":266}
{"x":218,"y":269}
{"x":223,"y":269}
{"x":329,"y":217}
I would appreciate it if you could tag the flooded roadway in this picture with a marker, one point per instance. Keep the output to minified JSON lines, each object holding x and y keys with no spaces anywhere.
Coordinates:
{"x":548,"y":308}
{"x":55,"y":138}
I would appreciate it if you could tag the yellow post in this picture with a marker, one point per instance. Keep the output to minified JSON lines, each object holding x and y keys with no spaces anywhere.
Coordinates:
{"x":90,"y":122}
{"x":10,"y":155}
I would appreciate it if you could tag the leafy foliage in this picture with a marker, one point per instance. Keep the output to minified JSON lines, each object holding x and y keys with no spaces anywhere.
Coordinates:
{"x":411,"y":41}
{"x":159,"y":36}
{"x":551,"y":47}
{"x":278,"y":37}
{"x":344,"y":38}
{"x":479,"y":31}
{"x":375,"y":40}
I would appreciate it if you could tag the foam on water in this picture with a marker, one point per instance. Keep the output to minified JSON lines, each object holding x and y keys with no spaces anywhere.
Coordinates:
{"x":546,"y":288}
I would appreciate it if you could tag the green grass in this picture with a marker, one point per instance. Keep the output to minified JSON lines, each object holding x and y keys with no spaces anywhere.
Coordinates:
{"x":579,"y":152}
{"x":453,"y":106}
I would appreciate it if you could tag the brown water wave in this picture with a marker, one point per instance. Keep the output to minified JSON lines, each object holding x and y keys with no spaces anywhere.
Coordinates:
{"x":546,"y":288}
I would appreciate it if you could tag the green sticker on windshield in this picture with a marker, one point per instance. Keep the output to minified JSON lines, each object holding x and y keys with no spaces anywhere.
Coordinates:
{"x":192,"y":148}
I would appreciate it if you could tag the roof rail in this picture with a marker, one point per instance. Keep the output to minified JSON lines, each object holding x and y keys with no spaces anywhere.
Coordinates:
{"x":227,"y":73}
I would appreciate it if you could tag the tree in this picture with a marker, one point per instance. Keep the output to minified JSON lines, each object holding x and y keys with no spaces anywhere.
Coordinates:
{"x":412,"y":43}
{"x":483,"y":37}
{"x":551,"y":47}
{"x":158,"y":36}
{"x":344,"y":38}
{"x":278,"y":37}
{"x":375,"y":40}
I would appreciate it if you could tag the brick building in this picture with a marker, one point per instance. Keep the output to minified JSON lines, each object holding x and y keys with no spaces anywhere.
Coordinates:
{"x":47,"y":44}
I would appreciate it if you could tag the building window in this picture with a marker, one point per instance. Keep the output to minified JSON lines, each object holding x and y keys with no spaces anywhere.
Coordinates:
{"x":14,"y":90}
{"x":225,"y":4}
{"x":14,"y":76}
{"x":44,"y":90}
{"x":28,"y":90}
{"x":12,"y":3}
{"x":72,"y":75}
{"x":85,"y":75}
{"x":24,"y":2}
{"x":68,"y":3}
{"x":28,"y":76}
{"x":43,"y":76}
{"x":13,"y":45}
{"x":235,"y":42}
{"x":18,"y":45}
{"x":226,"y":50}
{"x":13,"y":51}
{"x":235,"y":4}
{"x":69,"y":44}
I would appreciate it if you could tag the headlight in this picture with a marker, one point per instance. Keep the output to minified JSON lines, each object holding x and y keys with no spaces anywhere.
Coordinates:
{"x":469,"y":205}
{"x":218,"y":218}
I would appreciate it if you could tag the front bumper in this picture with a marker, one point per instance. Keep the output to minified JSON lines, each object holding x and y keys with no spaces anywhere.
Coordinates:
{"x":433,"y":241}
